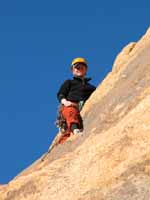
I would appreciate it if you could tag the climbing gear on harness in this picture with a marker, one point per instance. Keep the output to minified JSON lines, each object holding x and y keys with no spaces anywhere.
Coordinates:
{"x":80,"y":105}
{"x":60,"y":121}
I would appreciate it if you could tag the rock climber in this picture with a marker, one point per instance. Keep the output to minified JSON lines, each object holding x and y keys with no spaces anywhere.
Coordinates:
{"x":72,"y":95}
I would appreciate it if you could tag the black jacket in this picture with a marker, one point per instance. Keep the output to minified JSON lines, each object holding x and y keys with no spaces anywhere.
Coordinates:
{"x":76,"y":90}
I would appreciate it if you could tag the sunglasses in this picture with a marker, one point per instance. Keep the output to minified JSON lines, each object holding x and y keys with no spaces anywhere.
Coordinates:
{"x":78,"y":66}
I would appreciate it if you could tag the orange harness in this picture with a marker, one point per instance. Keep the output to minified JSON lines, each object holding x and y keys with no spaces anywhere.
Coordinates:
{"x":68,"y":115}
{"x":71,"y":115}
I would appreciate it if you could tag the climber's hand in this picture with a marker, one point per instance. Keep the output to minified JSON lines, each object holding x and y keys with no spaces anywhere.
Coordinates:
{"x":66,"y":103}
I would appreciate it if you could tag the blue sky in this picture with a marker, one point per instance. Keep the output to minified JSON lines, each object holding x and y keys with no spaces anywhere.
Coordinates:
{"x":38,"y":40}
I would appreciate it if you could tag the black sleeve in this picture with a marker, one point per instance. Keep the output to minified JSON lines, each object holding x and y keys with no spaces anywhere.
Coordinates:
{"x":64,"y":90}
{"x":94,"y":88}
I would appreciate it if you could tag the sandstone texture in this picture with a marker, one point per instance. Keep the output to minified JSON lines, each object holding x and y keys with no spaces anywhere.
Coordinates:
{"x":111,"y":160}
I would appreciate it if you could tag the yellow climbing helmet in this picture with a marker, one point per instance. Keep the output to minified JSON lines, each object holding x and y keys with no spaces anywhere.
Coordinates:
{"x":78,"y":60}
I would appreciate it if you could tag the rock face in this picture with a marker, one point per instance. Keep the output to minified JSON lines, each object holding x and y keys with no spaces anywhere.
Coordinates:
{"x":111,"y":160}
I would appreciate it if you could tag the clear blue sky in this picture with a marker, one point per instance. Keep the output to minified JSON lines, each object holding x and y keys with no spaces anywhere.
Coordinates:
{"x":38,"y":40}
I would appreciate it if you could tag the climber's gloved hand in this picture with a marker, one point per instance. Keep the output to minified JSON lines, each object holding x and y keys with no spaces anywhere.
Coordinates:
{"x":66,"y":103}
